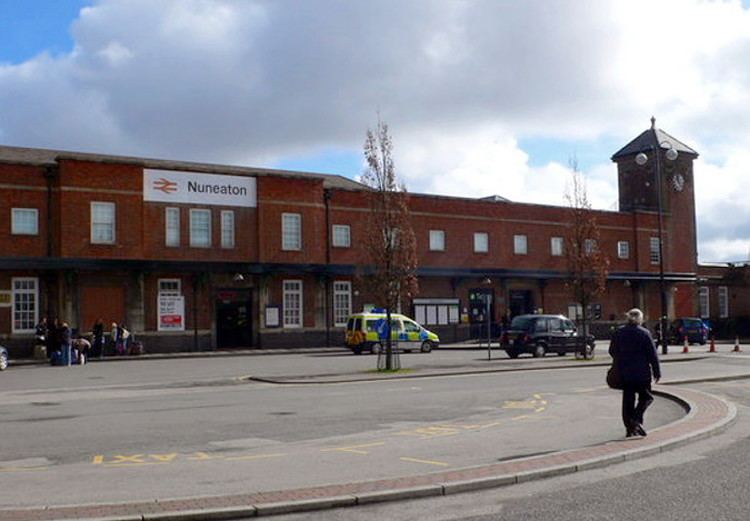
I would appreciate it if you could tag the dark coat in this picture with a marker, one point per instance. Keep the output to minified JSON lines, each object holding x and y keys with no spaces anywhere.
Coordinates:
{"x":633,"y":350}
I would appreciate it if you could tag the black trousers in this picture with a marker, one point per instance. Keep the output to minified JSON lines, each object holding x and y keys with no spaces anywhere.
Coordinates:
{"x":632,"y":414}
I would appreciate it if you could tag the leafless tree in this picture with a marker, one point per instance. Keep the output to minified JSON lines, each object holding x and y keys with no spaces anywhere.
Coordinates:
{"x":588,"y":265}
{"x":389,"y":244}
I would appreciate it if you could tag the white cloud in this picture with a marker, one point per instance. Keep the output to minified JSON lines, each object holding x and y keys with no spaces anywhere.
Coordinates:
{"x":460,"y":83}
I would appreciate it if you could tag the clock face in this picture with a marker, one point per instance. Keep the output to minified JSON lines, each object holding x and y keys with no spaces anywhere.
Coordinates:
{"x":678,"y":182}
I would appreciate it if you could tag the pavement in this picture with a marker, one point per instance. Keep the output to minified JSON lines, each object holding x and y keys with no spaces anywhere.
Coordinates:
{"x":705,"y":416}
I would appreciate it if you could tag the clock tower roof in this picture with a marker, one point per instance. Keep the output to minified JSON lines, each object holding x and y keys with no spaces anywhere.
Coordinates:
{"x":643,"y":143}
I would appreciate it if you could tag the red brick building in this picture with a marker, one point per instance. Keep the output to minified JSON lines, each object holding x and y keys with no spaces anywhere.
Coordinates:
{"x":200,"y":256}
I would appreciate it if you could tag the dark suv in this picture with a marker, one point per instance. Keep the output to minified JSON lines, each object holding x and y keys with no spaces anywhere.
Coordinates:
{"x":542,"y":334}
{"x":694,"y":328}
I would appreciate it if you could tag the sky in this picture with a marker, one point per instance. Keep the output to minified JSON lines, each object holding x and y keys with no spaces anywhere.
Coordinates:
{"x":482,"y":97}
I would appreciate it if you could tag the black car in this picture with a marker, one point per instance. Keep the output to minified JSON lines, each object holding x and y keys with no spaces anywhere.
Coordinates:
{"x":3,"y":358}
{"x":692,"y":328}
{"x":542,"y":334}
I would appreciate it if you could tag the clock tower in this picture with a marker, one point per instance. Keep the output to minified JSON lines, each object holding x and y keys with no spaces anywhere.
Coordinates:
{"x":655,"y":175}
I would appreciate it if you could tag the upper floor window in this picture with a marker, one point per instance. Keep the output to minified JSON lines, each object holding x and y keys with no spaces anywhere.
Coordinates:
{"x":172,"y":226}
{"x":200,"y":228}
{"x":556,"y":246}
{"x":623,"y":250}
{"x":481,"y":242}
{"x":437,"y":240}
{"x":520,"y":246}
{"x":24,"y":221}
{"x":227,"y":229}
{"x":102,"y":223}
{"x":291,"y":231}
{"x":341,"y":236}
{"x":654,"y":252}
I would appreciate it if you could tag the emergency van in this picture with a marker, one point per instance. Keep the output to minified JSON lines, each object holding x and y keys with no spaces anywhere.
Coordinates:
{"x":368,"y":332}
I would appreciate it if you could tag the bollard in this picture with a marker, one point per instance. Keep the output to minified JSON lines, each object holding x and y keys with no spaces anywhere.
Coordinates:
{"x":685,"y":349}
{"x":737,"y":345}
{"x":712,"y":345}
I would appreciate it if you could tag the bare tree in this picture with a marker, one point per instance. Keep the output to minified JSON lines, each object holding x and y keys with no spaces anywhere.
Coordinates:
{"x":587,"y":265}
{"x":389,"y":244}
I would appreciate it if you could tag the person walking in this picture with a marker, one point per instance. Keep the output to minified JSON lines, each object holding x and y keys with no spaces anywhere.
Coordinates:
{"x":98,"y":336}
{"x":634,"y":353}
{"x":66,"y":339}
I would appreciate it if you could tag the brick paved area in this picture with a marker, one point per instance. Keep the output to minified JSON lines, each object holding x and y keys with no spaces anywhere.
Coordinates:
{"x":707,"y":415}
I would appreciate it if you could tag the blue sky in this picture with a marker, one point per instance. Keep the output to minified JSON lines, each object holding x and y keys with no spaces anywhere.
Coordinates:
{"x":482,"y":97}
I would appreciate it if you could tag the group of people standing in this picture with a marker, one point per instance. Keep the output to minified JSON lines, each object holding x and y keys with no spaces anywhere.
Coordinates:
{"x":65,"y":348}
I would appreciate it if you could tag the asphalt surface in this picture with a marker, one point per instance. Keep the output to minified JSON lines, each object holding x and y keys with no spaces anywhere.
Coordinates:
{"x":386,"y":429}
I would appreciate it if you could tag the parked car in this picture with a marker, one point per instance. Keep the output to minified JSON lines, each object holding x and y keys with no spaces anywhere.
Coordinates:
{"x":362,"y":333}
{"x":694,"y":328}
{"x":542,"y":334}
{"x":3,"y":358}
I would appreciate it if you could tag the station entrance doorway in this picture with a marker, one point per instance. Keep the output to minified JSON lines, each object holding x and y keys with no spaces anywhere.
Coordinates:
{"x":234,"y":325}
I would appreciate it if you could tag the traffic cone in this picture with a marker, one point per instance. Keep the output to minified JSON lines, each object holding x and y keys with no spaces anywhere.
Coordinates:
{"x":712,"y":345}
{"x":737,"y":345}
{"x":685,"y":349}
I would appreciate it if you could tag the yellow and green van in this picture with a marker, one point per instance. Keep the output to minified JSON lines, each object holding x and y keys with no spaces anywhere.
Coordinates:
{"x":367,"y":332}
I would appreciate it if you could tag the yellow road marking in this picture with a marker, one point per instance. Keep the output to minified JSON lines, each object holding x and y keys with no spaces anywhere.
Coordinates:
{"x":98,"y":460}
{"x":21,"y":469}
{"x":426,"y":461}
{"x":256,"y":456}
{"x":163,"y":458}
{"x":201,"y":456}
{"x":521,"y":417}
{"x":136,"y":458}
{"x":354,"y":448}
{"x":487,"y":425}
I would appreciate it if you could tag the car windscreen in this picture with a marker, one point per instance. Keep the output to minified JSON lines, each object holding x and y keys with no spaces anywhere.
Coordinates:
{"x":692,"y":322}
{"x":522,"y":324}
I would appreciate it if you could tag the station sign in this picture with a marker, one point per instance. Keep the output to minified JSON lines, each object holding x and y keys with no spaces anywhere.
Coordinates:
{"x":173,"y":186}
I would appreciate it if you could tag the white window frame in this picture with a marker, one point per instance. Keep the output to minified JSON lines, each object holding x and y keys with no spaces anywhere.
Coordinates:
{"x":479,"y":246}
{"x":341,"y":236}
{"x":437,"y":240}
{"x":227,"y":229}
{"x":623,"y":249}
{"x":520,"y":245}
{"x":291,"y":232}
{"x":654,"y":251}
{"x":170,"y":292}
{"x":342,"y":302}
{"x":288,"y":291}
{"x":556,"y":246}
{"x":113,"y":224}
{"x":15,"y":218}
{"x":16,"y":296}
{"x":704,"y":302}
{"x":194,"y":243}
{"x":172,"y":233}
{"x":723,"y":302}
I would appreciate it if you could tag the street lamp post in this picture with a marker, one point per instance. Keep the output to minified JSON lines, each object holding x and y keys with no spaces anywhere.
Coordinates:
{"x":488,"y":302}
{"x":641,"y":159}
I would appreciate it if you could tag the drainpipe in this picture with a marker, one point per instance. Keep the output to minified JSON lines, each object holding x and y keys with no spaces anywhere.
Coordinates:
{"x":50,"y":174}
{"x":329,"y":296}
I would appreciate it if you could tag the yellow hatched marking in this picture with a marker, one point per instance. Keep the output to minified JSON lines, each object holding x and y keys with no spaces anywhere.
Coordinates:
{"x":256,"y":456}
{"x":163,"y":458}
{"x":98,"y":459}
{"x":202,"y":456}
{"x":426,"y":461}
{"x":135,"y":458}
{"x":354,"y":448}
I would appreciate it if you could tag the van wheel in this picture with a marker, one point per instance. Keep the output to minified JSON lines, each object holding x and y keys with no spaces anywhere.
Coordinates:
{"x":561,"y":353}
{"x":539,"y":351}
{"x":376,"y":348}
{"x":426,"y":346}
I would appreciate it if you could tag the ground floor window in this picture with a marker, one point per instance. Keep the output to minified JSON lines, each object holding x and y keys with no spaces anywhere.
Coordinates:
{"x":25,"y":304}
{"x":436,"y":311}
{"x":292,"y":296}
{"x":723,"y":302}
{"x":703,"y":301}
{"x":342,"y":302}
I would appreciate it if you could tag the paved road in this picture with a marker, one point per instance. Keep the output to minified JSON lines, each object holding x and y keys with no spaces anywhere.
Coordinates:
{"x":705,"y":480}
{"x":173,"y":428}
